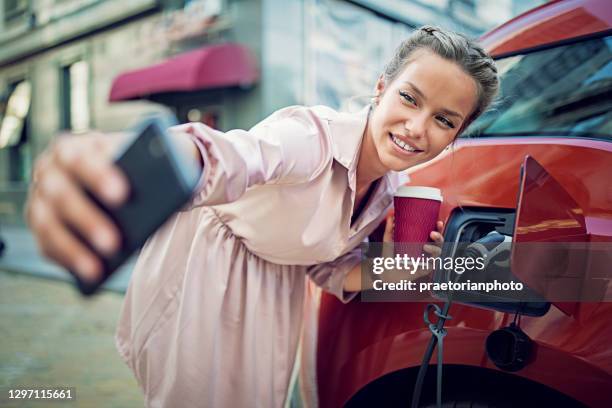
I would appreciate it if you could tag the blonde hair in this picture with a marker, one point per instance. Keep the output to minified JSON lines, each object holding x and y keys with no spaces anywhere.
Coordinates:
{"x":455,"y":47}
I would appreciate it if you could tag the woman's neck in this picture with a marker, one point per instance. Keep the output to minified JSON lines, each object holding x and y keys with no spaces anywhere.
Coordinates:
{"x":369,"y":166}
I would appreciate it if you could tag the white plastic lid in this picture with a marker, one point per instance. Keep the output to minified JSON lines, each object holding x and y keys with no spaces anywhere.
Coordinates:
{"x":428,"y":193}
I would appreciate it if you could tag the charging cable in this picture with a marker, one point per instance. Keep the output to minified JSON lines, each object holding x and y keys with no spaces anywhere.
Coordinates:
{"x":438,"y":332}
{"x":490,"y":248}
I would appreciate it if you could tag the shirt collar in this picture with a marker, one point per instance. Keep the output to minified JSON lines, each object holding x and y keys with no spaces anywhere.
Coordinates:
{"x":347,"y":131}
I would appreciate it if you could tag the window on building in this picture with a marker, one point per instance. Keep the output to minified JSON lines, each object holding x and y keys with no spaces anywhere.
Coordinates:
{"x":208,"y":116}
{"x":344,"y":58}
{"x":14,"y":130}
{"x":208,"y":7}
{"x":14,"y":9}
{"x":468,"y":4}
{"x":75,"y":97}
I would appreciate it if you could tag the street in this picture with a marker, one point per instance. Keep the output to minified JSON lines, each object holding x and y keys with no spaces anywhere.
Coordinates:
{"x":52,"y":337}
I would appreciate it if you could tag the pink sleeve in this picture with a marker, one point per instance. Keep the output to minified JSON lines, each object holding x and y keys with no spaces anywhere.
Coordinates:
{"x":330,"y":275}
{"x":291,"y":146}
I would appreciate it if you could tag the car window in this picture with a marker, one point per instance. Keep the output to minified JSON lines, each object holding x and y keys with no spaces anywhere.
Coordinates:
{"x":560,"y":91}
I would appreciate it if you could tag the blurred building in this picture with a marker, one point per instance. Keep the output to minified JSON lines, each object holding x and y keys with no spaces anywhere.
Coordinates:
{"x":76,"y":65}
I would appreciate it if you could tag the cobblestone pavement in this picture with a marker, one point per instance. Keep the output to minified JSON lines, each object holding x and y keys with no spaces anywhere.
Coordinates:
{"x":50,"y":337}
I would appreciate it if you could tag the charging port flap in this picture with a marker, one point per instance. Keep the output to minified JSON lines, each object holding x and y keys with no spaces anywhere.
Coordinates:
{"x":550,"y":239}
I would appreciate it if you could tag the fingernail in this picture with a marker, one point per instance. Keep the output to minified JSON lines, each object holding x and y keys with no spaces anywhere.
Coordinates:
{"x":114,"y":190}
{"x":87,"y":268}
{"x":104,"y":240}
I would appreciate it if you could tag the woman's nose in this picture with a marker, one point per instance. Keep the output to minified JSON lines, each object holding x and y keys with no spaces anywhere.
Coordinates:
{"x":416,"y":125}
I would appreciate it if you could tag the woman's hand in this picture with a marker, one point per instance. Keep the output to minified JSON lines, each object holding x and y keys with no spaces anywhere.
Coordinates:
{"x":354,"y":281}
{"x":57,"y":205}
{"x":432,"y":250}
{"x":435,"y":250}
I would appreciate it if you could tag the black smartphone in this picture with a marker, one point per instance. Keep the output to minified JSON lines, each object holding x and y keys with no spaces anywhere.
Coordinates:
{"x":161,"y":181}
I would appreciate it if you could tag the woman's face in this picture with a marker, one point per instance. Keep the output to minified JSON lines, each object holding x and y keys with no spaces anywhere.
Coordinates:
{"x":420,"y":112}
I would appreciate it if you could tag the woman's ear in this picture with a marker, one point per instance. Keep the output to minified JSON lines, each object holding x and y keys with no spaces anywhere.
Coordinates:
{"x":380,"y":86}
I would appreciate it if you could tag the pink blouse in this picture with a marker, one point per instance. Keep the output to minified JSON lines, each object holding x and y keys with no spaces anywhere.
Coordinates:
{"x":213,"y":312}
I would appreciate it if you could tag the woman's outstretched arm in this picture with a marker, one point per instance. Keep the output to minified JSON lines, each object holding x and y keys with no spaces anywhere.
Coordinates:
{"x":291,"y":146}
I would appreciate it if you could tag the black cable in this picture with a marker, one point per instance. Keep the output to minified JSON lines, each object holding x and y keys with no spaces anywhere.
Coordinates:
{"x":416,"y":394}
{"x":437,"y":336}
{"x":485,"y":245}
{"x":516,"y":316}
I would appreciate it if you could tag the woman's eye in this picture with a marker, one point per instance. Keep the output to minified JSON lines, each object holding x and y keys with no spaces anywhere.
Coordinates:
{"x":407,"y":97}
{"x":446,"y":122}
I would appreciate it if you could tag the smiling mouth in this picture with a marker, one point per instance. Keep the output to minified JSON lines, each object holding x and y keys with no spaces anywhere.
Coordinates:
{"x":404,"y":146}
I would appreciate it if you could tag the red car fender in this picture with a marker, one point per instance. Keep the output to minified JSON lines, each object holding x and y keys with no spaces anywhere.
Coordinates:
{"x":550,"y":367}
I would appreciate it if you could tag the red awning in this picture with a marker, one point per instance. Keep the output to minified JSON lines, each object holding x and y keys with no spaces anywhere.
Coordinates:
{"x":208,"y":67}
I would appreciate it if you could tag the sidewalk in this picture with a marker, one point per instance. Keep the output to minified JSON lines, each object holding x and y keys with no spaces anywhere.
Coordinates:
{"x":21,"y":255}
{"x":50,"y":336}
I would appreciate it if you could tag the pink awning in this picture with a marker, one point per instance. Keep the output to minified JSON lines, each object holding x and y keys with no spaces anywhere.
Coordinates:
{"x":213,"y":66}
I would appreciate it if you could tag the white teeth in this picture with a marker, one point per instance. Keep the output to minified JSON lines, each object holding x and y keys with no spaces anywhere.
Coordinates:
{"x":401,"y":144}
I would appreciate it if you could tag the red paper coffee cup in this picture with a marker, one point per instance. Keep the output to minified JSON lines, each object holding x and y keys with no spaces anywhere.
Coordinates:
{"x":416,"y":214}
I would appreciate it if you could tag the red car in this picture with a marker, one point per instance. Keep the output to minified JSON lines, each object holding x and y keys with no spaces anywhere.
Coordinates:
{"x":554,"y":120}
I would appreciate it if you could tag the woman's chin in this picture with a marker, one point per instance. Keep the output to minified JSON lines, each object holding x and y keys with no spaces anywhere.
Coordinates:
{"x":397,"y":164}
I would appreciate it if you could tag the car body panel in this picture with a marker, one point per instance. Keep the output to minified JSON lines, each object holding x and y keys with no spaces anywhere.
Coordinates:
{"x":490,"y":170}
{"x":360,"y":342}
{"x":357,"y":331}
{"x":357,"y":346}
{"x":549,"y":23}
{"x":537,"y":224}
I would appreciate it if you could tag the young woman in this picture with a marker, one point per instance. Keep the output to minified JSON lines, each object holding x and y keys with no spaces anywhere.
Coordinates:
{"x":213,"y":312}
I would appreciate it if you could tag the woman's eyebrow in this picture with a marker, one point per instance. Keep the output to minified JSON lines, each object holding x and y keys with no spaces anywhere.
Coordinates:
{"x":452,"y":113}
{"x":422,"y":96}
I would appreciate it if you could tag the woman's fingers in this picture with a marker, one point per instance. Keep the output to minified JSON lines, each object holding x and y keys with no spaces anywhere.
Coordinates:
{"x":432,"y":250}
{"x":61,"y":214}
{"x":58,"y":243}
{"x":74,"y":208}
{"x":88,"y":162}
{"x":436,"y":237}
{"x":435,"y":250}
